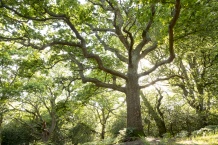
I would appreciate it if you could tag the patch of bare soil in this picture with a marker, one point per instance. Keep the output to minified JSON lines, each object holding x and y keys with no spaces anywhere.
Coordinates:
{"x":152,"y":140}
{"x":137,"y":142}
{"x":147,"y":141}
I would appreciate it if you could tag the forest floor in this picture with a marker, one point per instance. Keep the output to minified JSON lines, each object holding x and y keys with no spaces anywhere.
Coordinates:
{"x":206,"y":140}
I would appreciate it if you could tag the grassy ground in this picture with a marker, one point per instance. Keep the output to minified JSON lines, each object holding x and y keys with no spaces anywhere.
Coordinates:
{"x":206,"y":140}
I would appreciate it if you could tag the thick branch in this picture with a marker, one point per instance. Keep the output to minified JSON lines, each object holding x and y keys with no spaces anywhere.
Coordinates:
{"x":101,"y":4}
{"x":94,"y":80}
{"x":102,"y":67}
{"x":81,"y":45}
{"x":130,"y":36}
{"x":158,"y":80}
{"x":182,"y":86}
{"x":145,"y":37}
{"x":149,"y":49}
{"x":171,"y":41}
{"x":106,"y":47}
{"x":86,"y":54}
{"x":159,"y":103}
{"x":25,"y":16}
{"x":115,"y":51}
{"x":51,"y":44}
{"x":103,"y":30}
{"x":118,"y":23}
{"x":11,"y":39}
{"x":171,"y":26}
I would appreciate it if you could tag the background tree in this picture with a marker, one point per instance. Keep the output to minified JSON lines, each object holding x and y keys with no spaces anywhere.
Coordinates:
{"x":105,"y":105}
{"x":45,"y":100}
{"x":156,"y":112}
{"x":10,"y":80}
{"x":16,"y":133}
{"x":197,"y":60}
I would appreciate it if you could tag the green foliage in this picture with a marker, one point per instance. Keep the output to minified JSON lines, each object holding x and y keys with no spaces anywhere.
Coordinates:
{"x":117,"y":125}
{"x":42,"y":81}
{"x":207,"y":130}
{"x":127,"y":135}
{"x":121,"y":136}
{"x":36,"y":85}
{"x":167,"y":135}
{"x":101,"y":142}
{"x":182,"y":134}
{"x":63,"y":107}
{"x":81,"y":133}
{"x":16,"y":133}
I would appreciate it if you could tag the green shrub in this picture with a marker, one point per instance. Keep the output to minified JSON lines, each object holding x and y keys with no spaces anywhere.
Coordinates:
{"x":81,"y":133}
{"x":182,"y":134}
{"x":167,"y":135}
{"x":16,"y":133}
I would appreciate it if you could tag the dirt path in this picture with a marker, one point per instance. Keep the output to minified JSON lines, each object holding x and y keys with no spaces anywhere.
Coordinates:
{"x":147,"y":141}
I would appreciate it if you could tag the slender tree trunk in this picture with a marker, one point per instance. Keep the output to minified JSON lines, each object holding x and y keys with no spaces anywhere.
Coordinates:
{"x":1,"y":119}
{"x":158,"y":120}
{"x":45,"y":132}
{"x":103,"y":131}
{"x":171,"y":128}
{"x":148,"y":130}
{"x":203,"y":117}
{"x":48,"y":132}
{"x":103,"y":123}
{"x":134,"y":119}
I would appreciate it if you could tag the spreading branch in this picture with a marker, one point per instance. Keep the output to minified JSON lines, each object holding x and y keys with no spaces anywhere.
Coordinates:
{"x":115,"y":51}
{"x":83,"y":46}
{"x":118,"y":24}
{"x":97,"y":82}
{"x":130,"y":36}
{"x":149,"y":49}
{"x":11,"y":39}
{"x":158,"y":80}
{"x":171,"y":41}
{"x":25,"y":16}
{"x":145,"y":37}
{"x":62,"y":43}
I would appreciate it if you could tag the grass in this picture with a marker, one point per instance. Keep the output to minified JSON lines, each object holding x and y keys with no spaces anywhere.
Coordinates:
{"x":205,"y":140}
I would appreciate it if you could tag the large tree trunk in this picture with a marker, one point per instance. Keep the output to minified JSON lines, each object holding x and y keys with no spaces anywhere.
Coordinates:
{"x":134,"y":120}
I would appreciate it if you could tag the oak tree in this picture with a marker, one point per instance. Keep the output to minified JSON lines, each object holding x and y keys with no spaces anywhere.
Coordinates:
{"x":103,"y":38}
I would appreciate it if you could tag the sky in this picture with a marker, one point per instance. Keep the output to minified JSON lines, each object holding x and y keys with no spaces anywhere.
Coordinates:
{"x":82,"y":1}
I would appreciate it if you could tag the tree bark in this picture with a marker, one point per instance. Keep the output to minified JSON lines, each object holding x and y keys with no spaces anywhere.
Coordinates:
{"x":134,"y":119}
{"x":103,"y":131}
{"x":103,"y":123}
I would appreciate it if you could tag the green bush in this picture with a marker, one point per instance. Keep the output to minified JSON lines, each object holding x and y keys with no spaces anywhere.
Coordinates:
{"x":81,"y":133}
{"x":167,"y":135}
{"x":118,"y":125}
{"x":16,"y":133}
{"x":182,"y":134}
